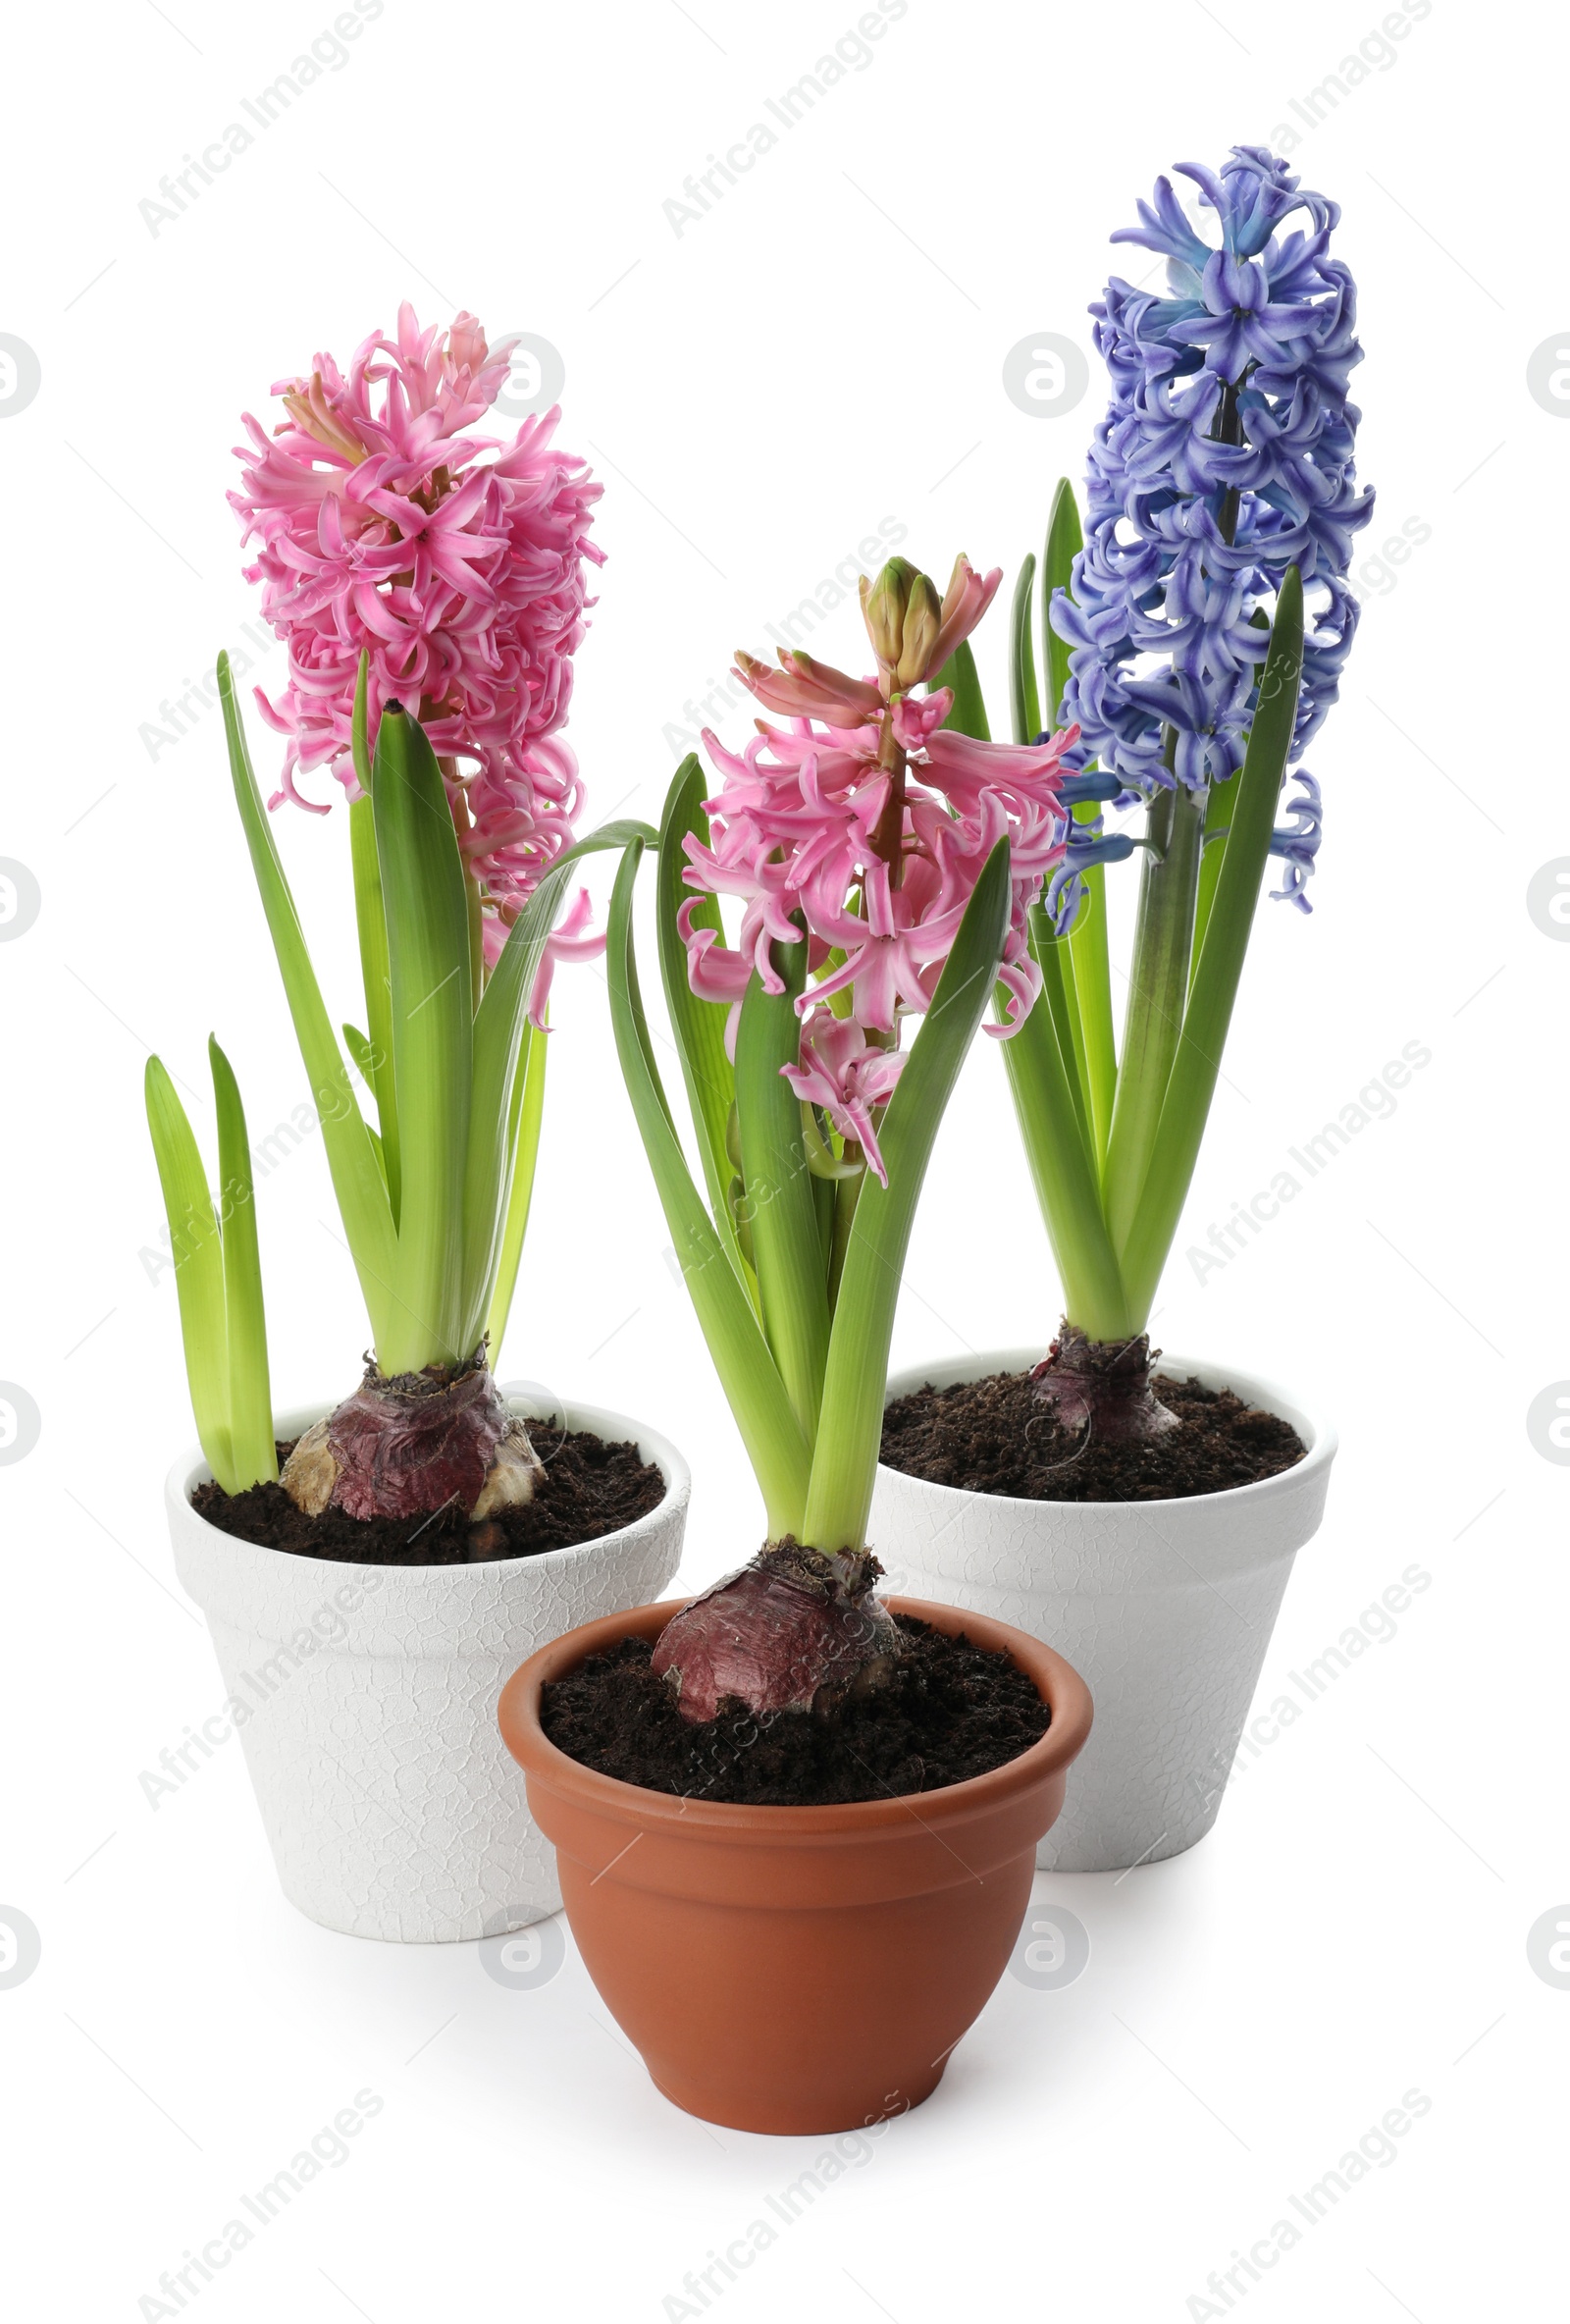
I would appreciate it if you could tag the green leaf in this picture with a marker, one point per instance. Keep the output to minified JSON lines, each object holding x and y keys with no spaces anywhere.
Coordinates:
{"x":528,"y":1109}
{"x":428,"y":956}
{"x":748,"y":1373}
{"x":1218,"y":822}
{"x":198,"y":1270}
{"x":496,"y":1198}
{"x":968,"y":714}
{"x":376,"y":1066}
{"x":1052,"y":952}
{"x":359,"y":1049}
{"x":253,"y":1451}
{"x":1092,"y":984}
{"x":1158,"y":986}
{"x":781,"y":1206}
{"x":1064,"y":544}
{"x":357,"y":1183}
{"x":499,"y":1033}
{"x":1095,"y":1048}
{"x":359,"y":724}
{"x":845,"y":1461}
{"x":1062,"y":1002}
{"x":1025,"y":707}
{"x":698,"y":1027}
{"x":1197,"y":1063}
{"x":1066,"y":1180}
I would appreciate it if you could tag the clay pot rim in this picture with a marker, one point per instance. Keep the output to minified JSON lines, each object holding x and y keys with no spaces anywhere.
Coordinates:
{"x":192,"y":1469}
{"x":1317,"y":1432}
{"x":1059,"y":1683}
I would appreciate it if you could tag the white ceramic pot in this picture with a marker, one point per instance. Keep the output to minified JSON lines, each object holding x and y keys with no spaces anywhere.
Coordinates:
{"x":1165,"y":1607}
{"x":369,"y":1700}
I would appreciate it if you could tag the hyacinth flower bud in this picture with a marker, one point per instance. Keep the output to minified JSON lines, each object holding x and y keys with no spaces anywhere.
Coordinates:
{"x":883,"y":603}
{"x":923,"y":621}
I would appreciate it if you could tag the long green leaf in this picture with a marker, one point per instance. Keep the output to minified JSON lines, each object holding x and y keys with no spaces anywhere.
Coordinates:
{"x":969,"y":713}
{"x":1063,"y":543}
{"x":357,"y":1183}
{"x":495,"y":1199}
{"x":782,"y":1206}
{"x":1193,"y":1083}
{"x":698,"y":1027}
{"x":370,"y":919}
{"x":1052,"y":951}
{"x":748,"y":1373}
{"x":1066,"y":1180}
{"x":845,"y":1459}
{"x":1092,"y":984}
{"x":1218,"y":823}
{"x":376,"y":1066}
{"x":1158,"y":987}
{"x":427,"y":957}
{"x":198,"y":1270}
{"x":500,"y":1030}
{"x":253,"y":1451}
{"x":1060,"y":995}
{"x":1088,"y":938}
{"x":1025,"y":707}
{"x":528,"y":1110}
{"x":1218,"y":820}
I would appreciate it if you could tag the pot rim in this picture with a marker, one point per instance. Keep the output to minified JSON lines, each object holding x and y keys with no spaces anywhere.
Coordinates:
{"x":1321,"y":1440}
{"x":519,"y":1716}
{"x":191,"y":1469}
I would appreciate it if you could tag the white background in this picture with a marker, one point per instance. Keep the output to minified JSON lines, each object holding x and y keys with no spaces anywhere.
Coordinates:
{"x":822,"y":351}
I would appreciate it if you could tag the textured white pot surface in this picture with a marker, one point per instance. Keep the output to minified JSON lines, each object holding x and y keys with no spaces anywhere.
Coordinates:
{"x":365,"y":1697}
{"x":1165,"y":1607}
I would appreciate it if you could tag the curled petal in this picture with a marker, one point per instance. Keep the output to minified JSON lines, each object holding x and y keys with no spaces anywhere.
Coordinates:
{"x":572,"y":941}
{"x":849,"y":1080}
{"x":965,"y":601}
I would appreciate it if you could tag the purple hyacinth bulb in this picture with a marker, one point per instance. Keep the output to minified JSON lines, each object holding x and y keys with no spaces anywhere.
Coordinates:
{"x":1224,"y":457}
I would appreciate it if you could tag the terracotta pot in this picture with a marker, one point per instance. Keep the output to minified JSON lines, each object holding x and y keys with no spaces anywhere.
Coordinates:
{"x":1165,"y":1606}
{"x":798,"y":1969}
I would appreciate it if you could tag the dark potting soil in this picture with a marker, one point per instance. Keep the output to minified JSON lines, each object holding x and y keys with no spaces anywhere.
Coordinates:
{"x":997,"y":1436}
{"x":591,"y":1487}
{"x":946,"y":1711}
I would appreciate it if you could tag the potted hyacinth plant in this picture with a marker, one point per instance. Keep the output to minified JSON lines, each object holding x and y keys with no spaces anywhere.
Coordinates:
{"x":729,"y":1782}
{"x":1192,"y":644}
{"x":370,"y":1568}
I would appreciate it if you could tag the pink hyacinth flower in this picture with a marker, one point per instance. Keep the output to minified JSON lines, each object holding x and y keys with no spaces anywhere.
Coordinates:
{"x":866,"y":823}
{"x":843,"y":1074}
{"x":457,"y":561}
